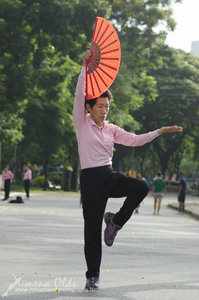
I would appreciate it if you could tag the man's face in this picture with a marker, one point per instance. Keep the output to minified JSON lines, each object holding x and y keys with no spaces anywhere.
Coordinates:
{"x":99,"y":111}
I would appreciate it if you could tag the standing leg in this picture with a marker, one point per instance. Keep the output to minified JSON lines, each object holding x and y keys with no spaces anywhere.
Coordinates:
{"x":181,"y":199}
{"x":155,"y":204}
{"x":181,"y":207}
{"x":159,"y":205}
{"x":26,"y":186}
{"x":7,"y":188}
{"x":93,"y":211}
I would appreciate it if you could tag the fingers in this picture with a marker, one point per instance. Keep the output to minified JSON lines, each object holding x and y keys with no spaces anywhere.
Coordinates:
{"x":173,"y":128}
{"x":170,"y":129}
{"x":176,"y":128}
{"x":86,"y":55}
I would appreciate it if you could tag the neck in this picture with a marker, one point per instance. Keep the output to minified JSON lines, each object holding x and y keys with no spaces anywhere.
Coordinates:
{"x":100,"y":125}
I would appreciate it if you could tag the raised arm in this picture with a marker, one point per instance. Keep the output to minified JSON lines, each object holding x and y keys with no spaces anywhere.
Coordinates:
{"x":78,"y":108}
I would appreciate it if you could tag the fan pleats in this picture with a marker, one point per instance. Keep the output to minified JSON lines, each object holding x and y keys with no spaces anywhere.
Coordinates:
{"x":103,"y":66}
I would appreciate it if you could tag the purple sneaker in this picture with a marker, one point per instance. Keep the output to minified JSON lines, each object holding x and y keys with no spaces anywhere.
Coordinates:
{"x":92,"y":283}
{"x":111,"y":229}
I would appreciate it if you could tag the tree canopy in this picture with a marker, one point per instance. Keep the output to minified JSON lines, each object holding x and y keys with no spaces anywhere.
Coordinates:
{"x":41,"y":46}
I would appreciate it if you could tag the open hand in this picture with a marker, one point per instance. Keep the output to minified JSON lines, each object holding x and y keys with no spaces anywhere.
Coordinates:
{"x":170,"y":129}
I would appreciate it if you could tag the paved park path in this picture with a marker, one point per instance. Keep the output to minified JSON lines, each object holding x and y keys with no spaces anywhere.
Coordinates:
{"x":41,"y":252}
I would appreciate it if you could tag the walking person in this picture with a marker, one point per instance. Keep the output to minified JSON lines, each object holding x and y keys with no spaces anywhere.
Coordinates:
{"x":7,"y":178}
{"x":181,"y":192}
{"x":27,"y":178}
{"x":98,"y":181}
{"x":158,"y":190}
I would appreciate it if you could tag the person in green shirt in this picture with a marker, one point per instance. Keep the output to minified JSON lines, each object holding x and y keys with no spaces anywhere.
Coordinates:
{"x":158,"y":189}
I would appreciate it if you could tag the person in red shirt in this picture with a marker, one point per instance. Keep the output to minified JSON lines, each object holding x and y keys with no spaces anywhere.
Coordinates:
{"x":7,"y":178}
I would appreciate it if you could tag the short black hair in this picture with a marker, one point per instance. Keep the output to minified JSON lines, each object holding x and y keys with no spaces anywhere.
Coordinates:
{"x":93,"y":101}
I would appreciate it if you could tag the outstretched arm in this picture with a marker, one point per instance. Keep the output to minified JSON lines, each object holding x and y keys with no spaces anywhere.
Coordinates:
{"x":128,"y":139}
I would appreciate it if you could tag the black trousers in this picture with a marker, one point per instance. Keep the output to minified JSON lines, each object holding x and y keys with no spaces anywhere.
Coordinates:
{"x":7,"y":185}
{"x":97,"y":185}
{"x":27,"y":187}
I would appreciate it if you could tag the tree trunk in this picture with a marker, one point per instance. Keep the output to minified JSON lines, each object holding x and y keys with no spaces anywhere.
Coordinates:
{"x":64,"y":177}
{"x":69,"y":180}
{"x":46,"y":160}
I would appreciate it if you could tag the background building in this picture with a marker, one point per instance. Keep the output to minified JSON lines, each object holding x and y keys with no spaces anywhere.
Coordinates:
{"x":195,"y":48}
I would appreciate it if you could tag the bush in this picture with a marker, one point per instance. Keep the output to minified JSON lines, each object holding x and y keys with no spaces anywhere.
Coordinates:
{"x":38,"y":181}
{"x":55,"y":178}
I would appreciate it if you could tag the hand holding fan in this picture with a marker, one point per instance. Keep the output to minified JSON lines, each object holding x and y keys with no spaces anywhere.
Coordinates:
{"x":103,"y":65}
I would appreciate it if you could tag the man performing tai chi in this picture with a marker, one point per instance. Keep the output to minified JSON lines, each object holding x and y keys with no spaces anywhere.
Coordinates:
{"x":96,"y":138}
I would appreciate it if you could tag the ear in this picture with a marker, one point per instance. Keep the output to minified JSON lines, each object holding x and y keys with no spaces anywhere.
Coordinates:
{"x":88,"y":107}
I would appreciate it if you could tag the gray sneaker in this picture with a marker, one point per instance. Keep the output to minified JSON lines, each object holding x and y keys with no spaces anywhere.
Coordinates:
{"x":111,"y":229}
{"x":92,"y":283}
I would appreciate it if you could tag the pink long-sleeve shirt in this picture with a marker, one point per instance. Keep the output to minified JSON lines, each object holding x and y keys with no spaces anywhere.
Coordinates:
{"x":27,"y":175}
{"x":7,"y":175}
{"x":95,"y":145}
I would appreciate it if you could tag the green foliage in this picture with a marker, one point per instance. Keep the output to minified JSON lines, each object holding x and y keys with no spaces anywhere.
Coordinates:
{"x":137,"y":22}
{"x":177,"y":103}
{"x":189,"y":167}
{"x":10,"y":127}
{"x":55,"y":178}
{"x":41,"y":46}
{"x":38,"y":181}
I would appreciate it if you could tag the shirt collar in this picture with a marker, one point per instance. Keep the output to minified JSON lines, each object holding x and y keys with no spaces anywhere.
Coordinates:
{"x":92,"y":122}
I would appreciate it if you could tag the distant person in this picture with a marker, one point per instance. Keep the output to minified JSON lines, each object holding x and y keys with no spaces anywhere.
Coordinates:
{"x":27,"y":178}
{"x":149,"y":182}
{"x":7,"y":178}
{"x":158,"y":189}
{"x":181,"y":192}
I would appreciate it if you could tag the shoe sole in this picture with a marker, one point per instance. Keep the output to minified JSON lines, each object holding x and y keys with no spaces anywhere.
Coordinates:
{"x":110,"y":215}
{"x":91,"y":289}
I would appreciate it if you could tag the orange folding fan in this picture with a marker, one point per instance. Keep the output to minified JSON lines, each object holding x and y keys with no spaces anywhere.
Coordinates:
{"x":103,"y":65}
